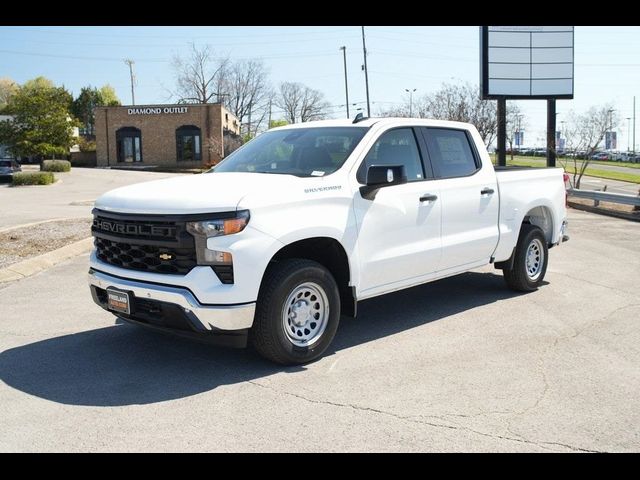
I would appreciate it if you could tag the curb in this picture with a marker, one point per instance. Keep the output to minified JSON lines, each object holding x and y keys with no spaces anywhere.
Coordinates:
{"x":34,"y":265}
{"x":604,"y":211}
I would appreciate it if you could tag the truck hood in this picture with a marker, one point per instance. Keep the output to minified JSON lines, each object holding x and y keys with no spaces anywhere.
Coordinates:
{"x":204,"y":193}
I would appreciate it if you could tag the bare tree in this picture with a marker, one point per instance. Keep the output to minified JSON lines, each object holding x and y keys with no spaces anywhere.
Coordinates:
{"x":460,"y":103}
{"x":199,"y":76}
{"x":300,"y":102}
{"x":246,"y":88}
{"x":583,"y":135}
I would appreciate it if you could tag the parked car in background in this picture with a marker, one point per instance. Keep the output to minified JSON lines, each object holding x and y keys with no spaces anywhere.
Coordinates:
{"x":7,"y":168}
{"x":32,"y":159}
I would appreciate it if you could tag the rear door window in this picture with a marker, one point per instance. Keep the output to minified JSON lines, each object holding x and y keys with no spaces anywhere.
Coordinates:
{"x":451,"y":152}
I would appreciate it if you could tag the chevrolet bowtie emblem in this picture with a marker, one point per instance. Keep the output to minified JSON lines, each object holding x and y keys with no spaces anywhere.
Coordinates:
{"x":166,"y":256}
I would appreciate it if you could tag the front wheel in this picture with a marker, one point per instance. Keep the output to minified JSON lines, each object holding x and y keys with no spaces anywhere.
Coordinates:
{"x":530,"y":262}
{"x":297,"y":313}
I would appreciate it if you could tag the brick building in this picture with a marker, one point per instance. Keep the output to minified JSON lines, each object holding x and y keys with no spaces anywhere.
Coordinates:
{"x":186,"y":135}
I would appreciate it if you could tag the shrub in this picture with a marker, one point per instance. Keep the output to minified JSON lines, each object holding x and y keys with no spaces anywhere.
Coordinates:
{"x":32,"y":178}
{"x":55,"y":166}
{"x":86,"y":145}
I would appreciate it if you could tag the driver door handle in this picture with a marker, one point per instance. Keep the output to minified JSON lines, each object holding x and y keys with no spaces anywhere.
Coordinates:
{"x":427,"y":197}
{"x":486,"y":191}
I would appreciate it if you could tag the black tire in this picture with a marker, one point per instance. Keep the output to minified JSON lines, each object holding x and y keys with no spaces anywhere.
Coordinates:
{"x":519,"y":278}
{"x":268,"y":335}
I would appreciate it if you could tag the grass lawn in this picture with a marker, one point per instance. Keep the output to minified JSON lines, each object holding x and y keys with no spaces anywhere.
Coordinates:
{"x":590,"y":172}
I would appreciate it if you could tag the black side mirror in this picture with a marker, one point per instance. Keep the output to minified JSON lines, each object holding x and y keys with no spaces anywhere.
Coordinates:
{"x":379,"y":176}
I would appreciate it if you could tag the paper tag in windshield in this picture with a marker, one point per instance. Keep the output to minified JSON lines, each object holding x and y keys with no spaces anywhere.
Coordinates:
{"x":316,"y":173}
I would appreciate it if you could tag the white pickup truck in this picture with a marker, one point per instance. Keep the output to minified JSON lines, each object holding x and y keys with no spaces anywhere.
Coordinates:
{"x":290,"y":231}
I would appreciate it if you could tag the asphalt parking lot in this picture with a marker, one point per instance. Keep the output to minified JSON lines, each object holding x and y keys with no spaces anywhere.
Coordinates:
{"x":72,"y":196}
{"x":462,"y":364}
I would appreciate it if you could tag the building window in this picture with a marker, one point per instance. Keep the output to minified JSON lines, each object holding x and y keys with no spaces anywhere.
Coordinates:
{"x":188,"y":144}
{"x":129,"y":144}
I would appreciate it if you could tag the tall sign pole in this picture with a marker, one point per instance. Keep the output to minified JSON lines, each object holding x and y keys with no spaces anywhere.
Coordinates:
{"x":501,"y":149}
{"x":551,"y":132}
{"x":527,"y":63}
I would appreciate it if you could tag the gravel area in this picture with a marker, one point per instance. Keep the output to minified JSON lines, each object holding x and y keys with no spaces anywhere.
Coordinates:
{"x":607,"y":206}
{"x":22,"y":243}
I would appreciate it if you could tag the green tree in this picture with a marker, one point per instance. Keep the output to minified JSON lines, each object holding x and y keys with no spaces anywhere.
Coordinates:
{"x":109,"y":97}
{"x":41,"y":122}
{"x":90,"y":98}
{"x":8,"y":88}
{"x":83,"y":106}
{"x":277,"y":123}
{"x":38,"y":83}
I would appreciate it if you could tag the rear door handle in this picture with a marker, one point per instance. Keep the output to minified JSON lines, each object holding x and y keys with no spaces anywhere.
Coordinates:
{"x":427,"y":197}
{"x":486,"y":191}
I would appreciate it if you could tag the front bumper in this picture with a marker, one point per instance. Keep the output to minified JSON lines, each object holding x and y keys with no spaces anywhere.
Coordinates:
{"x":174,"y":302}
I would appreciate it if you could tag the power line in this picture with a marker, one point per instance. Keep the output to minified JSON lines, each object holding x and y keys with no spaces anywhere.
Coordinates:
{"x":156,"y":60}
{"x":188,"y":37}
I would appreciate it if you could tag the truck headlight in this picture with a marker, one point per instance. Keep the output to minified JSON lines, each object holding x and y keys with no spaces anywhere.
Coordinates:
{"x":217,"y":228}
{"x":220,"y":262}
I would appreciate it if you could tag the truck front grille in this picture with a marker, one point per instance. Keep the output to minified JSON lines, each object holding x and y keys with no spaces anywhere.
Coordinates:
{"x":148,"y":243}
{"x":147,"y":258}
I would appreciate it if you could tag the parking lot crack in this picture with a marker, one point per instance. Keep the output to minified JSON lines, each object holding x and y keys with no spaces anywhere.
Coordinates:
{"x":596,"y":284}
{"x":418,"y":420}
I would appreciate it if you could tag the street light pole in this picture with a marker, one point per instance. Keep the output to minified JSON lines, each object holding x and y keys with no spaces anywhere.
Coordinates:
{"x":410,"y":100}
{"x":610,"y":111}
{"x":346,"y":84}
{"x":628,"y":134}
{"x":366,"y":73}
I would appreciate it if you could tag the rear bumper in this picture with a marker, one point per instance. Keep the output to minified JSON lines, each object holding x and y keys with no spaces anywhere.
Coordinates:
{"x":172,"y":306}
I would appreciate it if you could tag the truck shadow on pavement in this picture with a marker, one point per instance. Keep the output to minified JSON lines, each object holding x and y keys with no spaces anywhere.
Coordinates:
{"x":126,"y":365}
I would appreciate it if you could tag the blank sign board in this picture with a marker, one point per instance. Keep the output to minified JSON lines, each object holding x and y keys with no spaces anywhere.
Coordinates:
{"x":526,"y":62}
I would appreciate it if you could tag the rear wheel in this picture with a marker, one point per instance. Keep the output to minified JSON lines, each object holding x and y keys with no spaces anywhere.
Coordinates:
{"x":530,"y":261}
{"x":297,"y":313}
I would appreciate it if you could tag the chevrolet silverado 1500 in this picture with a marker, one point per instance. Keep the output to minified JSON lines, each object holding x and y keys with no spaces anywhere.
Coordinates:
{"x":290,"y":231}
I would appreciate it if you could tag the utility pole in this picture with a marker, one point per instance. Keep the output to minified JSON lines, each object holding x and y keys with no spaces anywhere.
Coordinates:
{"x":366,"y":73}
{"x":269,"y":124}
{"x":628,"y":133}
{"x":346,"y":84}
{"x":130,"y":63}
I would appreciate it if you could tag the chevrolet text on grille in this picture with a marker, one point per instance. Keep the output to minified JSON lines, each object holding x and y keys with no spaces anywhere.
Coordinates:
{"x":134,"y":229}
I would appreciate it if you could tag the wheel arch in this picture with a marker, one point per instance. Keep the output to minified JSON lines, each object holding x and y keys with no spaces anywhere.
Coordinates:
{"x":541,"y":216}
{"x":330,"y":253}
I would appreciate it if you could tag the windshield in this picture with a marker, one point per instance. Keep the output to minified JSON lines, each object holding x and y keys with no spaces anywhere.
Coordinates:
{"x":304,"y":152}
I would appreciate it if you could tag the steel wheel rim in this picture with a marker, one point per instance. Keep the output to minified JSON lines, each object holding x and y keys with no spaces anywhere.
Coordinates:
{"x":534,"y":259}
{"x":305,"y":314}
